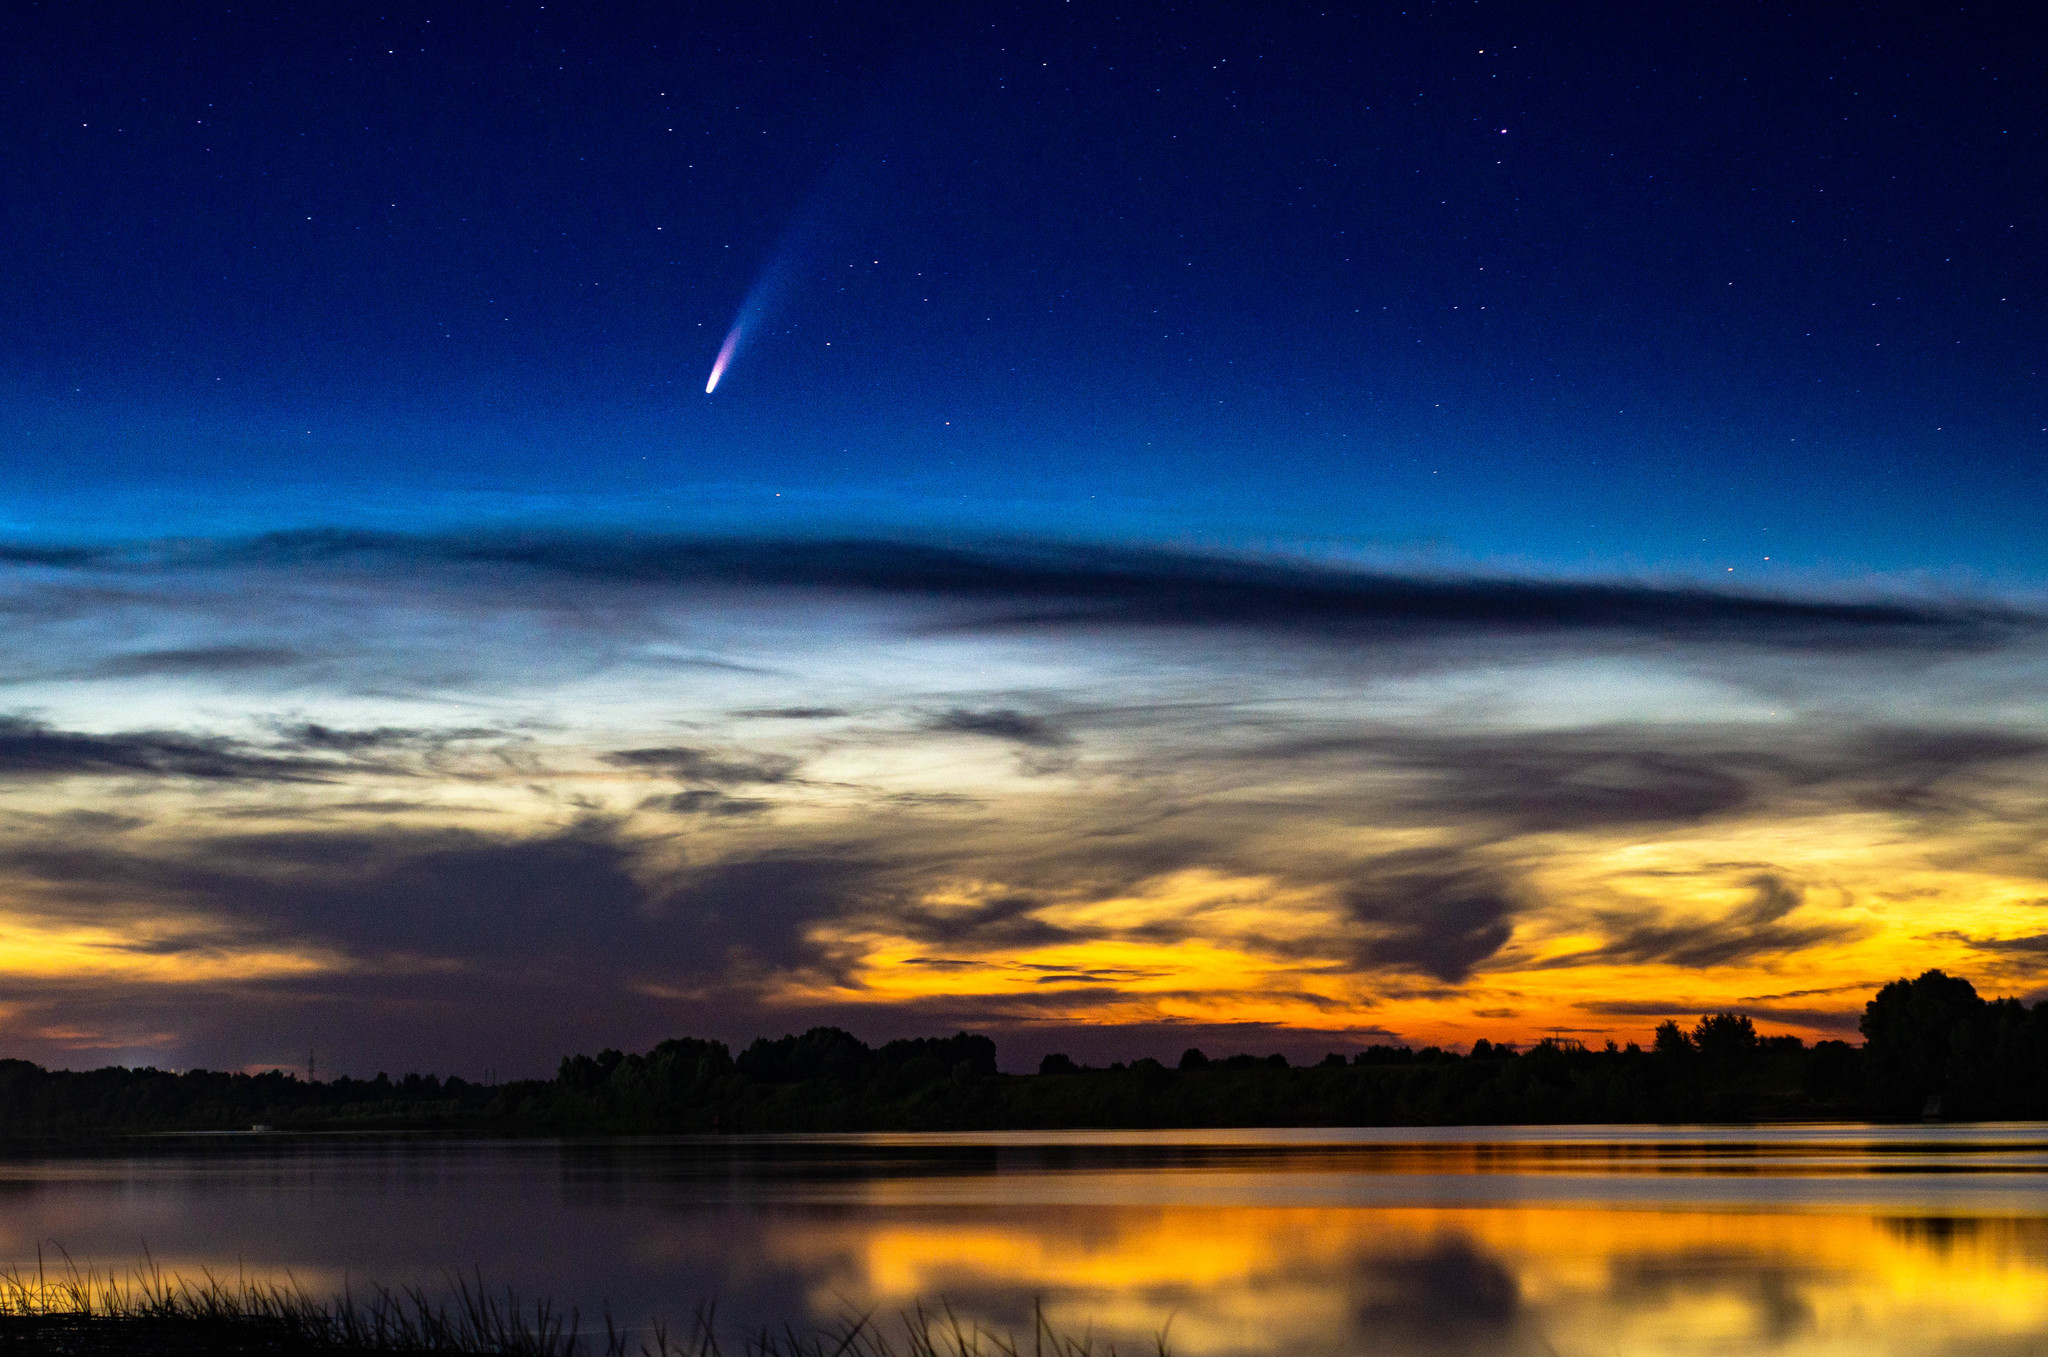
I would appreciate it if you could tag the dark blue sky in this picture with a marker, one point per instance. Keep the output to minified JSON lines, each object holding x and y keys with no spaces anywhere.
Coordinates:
{"x":1604,"y":288}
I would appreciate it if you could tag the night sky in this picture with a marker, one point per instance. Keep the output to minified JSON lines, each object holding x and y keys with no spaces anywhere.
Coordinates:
{"x":1272,"y":526}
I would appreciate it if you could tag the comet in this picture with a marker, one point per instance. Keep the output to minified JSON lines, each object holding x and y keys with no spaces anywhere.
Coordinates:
{"x":760,"y":302}
{"x":725,"y":351}
{"x":801,"y":242}
{"x":747,"y":320}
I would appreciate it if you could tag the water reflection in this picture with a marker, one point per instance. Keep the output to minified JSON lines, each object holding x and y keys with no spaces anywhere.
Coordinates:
{"x":1497,"y":1280}
{"x":1610,"y":1240}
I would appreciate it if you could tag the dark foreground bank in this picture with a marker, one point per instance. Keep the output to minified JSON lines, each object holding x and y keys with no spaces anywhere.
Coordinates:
{"x":1932,"y":1047}
{"x":82,"y":1314}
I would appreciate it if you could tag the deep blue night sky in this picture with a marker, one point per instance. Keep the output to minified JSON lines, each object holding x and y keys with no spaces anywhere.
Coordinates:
{"x":1620,"y":289}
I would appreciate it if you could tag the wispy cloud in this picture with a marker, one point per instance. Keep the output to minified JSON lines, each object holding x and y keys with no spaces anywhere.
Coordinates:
{"x":1001,"y":723}
{"x":30,"y":749}
{"x":697,"y":765}
{"x":230,"y":659}
{"x":1751,"y":931}
{"x":662,"y":782}
{"x":1431,"y":913}
{"x":1062,"y":584}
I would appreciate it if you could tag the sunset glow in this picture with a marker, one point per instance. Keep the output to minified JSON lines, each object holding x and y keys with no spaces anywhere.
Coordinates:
{"x":733,"y":807}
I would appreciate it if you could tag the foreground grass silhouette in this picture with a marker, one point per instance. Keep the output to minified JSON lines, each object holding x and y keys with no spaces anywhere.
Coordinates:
{"x":81,"y":1312}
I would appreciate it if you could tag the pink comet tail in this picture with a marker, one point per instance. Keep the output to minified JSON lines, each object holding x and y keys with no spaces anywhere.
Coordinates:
{"x":732,"y":341}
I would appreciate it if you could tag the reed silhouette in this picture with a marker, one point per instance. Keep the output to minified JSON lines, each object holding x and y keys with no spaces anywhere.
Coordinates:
{"x":86,"y":1312}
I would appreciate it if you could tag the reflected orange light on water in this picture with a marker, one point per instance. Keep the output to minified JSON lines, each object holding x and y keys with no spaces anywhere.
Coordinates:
{"x":1485,"y":1279}
{"x":1832,"y":1239}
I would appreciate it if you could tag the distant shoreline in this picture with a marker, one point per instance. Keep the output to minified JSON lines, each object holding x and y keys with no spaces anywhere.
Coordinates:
{"x":1933,"y":1050}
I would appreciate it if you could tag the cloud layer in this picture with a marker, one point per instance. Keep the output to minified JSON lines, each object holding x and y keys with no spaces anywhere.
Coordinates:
{"x":456,"y":800}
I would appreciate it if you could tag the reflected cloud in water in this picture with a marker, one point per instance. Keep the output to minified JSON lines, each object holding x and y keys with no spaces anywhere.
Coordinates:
{"x":1800,"y":1241}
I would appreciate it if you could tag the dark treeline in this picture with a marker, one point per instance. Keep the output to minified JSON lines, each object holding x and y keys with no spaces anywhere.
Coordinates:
{"x":64,"y":1104}
{"x":1932,"y":1047}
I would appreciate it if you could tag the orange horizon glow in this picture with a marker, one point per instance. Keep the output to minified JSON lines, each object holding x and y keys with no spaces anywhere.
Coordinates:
{"x":763,"y":810}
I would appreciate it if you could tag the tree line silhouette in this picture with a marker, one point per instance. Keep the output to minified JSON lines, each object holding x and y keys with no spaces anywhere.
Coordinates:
{"x":1933,"y":1047}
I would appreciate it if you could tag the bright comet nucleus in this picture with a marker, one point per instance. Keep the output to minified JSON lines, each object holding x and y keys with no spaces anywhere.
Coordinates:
{"x":732,"y":341}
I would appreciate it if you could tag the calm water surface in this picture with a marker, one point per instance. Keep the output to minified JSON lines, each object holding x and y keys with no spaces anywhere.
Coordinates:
{"x":1568,"y":1240}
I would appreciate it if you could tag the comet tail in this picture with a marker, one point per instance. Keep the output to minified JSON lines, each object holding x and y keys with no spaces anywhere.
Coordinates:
{"x":732,"y":341}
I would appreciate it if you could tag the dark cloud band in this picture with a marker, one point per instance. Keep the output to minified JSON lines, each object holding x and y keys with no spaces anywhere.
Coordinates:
{"x":1044,"y":584}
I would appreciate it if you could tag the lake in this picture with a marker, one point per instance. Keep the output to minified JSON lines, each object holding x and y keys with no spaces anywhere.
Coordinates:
{"x":1569,"y":1240}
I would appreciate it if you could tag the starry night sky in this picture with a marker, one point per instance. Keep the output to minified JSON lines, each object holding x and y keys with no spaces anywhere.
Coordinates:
{"x":1277,"y":526}
{"x":1621,"y":288}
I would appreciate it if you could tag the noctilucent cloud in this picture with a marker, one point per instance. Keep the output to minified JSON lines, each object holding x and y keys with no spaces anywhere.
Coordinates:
{"x":553,"y":528}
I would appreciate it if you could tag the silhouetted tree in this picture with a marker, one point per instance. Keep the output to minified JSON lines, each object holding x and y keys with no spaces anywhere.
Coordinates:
{"x":1928,"y":1037}
{"x":1672,"y":1040}
{"x":1728,"y":1038}
{"x":820,"y":1052}
{"x":1917,"y":1036}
